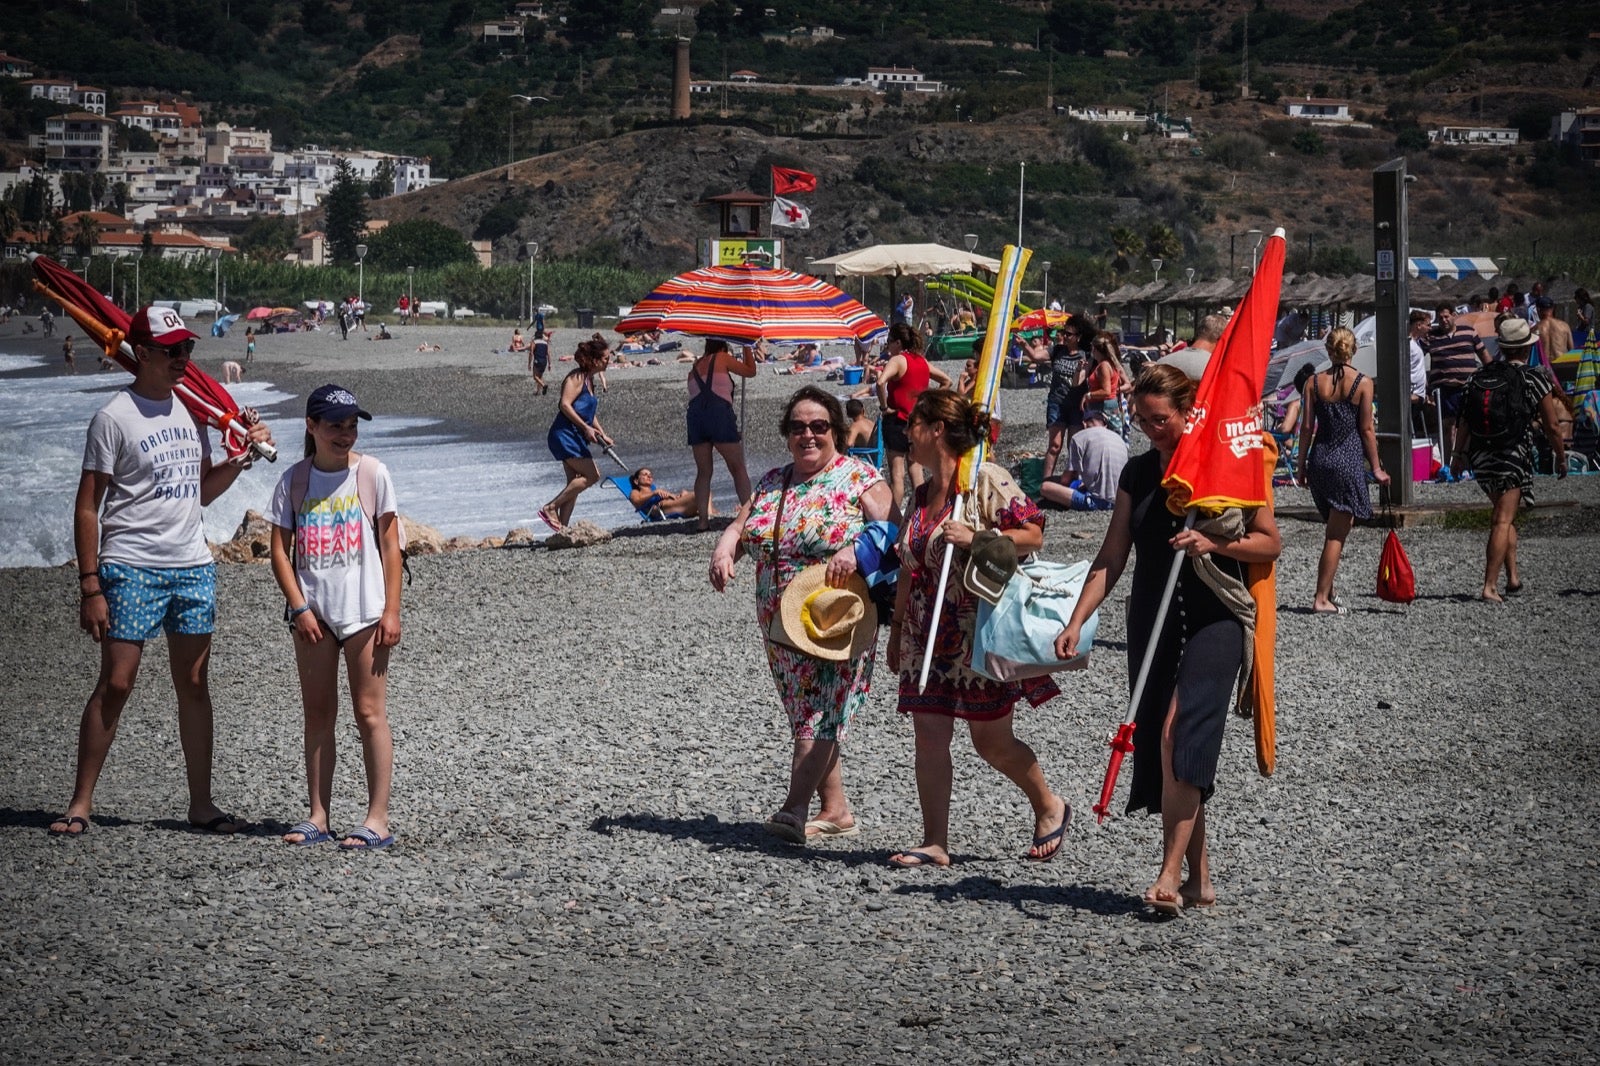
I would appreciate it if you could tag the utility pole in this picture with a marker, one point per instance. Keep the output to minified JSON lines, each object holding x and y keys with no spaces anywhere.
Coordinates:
{"x":1244,"y":62}
{"x":1392,"y":382}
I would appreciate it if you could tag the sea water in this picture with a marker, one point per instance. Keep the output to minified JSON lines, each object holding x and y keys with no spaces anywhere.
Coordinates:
{"x":443,"y":478}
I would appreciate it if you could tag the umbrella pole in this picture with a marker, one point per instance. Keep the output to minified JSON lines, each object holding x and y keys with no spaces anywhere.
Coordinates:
{"x":1438,"y":416}
{"x":938,"y":602}
{"x":1122,"y":741}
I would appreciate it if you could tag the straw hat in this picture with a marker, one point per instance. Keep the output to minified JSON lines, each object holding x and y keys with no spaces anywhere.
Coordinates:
{"x":825,"y":622}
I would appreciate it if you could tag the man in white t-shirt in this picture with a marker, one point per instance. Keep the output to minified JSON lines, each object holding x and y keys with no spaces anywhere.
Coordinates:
{"x":143,"y":562}
{"x":1095,"y":458}
{"x":1419,"y":324}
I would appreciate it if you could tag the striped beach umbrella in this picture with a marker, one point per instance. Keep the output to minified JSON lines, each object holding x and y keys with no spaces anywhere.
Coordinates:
{"x":749,"y":303}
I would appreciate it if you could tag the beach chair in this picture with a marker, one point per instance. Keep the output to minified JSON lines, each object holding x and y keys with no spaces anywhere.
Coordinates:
{"x":872,"y":451}
{"x":1287,"y":442}
{"x":623,"y":486}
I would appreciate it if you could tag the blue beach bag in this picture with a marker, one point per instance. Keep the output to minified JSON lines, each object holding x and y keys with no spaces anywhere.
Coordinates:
{"x":1016,"y":637}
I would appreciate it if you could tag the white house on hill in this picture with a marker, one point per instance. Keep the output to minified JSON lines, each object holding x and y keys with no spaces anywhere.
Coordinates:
{"x":1315,"y":110}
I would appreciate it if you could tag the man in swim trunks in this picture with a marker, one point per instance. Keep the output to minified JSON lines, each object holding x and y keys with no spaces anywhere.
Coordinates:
{"x":143,"y":562}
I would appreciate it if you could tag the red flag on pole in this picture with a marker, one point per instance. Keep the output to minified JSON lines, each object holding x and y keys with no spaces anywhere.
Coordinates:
{"x":786,"y":181}
{"x":1217,"y":464}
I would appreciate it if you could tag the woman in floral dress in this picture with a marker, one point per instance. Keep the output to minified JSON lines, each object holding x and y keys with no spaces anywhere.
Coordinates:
{"x":945,"y":426}
{"x":807,"y":512}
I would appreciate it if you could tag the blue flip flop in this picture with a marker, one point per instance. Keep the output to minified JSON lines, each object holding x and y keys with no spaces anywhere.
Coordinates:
{"x":309,"y":833}
{"x":1049,"y":838}
{"x":370,"y":840}
{"x":922,"y":857}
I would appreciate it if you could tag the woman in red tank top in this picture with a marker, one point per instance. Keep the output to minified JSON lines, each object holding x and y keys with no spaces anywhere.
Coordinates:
{"x":903,"y":378}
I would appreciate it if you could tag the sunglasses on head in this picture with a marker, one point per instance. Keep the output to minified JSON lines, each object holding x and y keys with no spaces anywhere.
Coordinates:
{"x":817,"y":427}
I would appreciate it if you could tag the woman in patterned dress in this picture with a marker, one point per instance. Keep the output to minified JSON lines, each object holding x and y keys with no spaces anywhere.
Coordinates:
{"x":1335,"y":448}
{"x":804,"y":513}
{"x":944,"y":426}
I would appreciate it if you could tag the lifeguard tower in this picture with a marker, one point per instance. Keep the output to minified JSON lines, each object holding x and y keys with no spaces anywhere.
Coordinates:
{"x":742,"y":216}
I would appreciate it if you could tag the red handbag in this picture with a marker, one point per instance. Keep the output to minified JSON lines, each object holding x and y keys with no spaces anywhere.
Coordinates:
{"x":1397,"y":582}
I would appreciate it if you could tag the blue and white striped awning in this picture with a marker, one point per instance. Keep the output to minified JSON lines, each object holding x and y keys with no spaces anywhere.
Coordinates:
{"x":1451,"y":266}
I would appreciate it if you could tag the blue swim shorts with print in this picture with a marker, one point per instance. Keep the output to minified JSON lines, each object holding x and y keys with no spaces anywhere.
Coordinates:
{"x":146,"y":600}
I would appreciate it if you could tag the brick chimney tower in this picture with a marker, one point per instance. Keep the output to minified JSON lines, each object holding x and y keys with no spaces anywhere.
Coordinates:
{"x":680,"y":80}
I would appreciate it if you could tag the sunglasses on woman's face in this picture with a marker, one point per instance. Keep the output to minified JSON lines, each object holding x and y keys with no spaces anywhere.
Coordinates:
{"x":817,"y":427}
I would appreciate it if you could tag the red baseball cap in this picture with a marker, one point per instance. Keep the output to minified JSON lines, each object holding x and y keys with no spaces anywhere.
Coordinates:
{"x":154,"y":325}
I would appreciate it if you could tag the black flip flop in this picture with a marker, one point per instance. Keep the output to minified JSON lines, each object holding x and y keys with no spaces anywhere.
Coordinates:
{"x":215,"y":825}
{"x":69,"y":822}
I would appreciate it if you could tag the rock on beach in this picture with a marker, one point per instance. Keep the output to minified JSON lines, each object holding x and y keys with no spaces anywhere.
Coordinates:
{"x":586,"y":743}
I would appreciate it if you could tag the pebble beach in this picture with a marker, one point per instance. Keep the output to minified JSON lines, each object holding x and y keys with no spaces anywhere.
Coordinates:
{"x":587,"y":742}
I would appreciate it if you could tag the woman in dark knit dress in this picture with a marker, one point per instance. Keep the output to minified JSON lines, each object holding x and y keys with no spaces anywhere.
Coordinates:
{"x":1199,"y":652}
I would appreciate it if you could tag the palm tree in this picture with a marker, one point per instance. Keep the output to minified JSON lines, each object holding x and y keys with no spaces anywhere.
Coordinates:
{"x":86,"y":234}
{"x":1126,"y":247}
{"x":1162,"y":243}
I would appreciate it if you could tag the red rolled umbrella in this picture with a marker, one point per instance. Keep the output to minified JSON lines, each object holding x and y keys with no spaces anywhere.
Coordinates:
{"x":108,"y":325}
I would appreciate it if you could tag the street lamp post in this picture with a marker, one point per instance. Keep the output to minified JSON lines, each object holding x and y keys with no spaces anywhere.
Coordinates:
{"x":1189,"y":274}
{"x":1233,"y":237}
{"x":533,"y":250}
{"x":1255,"y":250}
{"x":510,"y":117}
{"x":1046,"y":266}
{"x":970,"y":240}
{"x":137,"y":256}
{"x":1156,"y":265}
{"x":216,"y":284}
{"x":361,"y":275}
{"x":411,"y":291}
{"x":111,"y":286}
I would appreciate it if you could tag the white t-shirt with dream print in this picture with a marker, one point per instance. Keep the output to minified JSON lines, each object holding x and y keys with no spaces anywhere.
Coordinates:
{"x":337,"y":557}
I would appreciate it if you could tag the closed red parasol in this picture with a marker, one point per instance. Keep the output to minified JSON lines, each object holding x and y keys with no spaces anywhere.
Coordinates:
{"x":107,"y":324}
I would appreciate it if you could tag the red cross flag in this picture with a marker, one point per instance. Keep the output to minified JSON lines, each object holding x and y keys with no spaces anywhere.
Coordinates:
{"x":786,"y":181}
{"x":788,"y":213}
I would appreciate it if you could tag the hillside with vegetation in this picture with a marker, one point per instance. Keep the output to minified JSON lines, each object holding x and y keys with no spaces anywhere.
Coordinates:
{"x":599,"y":175}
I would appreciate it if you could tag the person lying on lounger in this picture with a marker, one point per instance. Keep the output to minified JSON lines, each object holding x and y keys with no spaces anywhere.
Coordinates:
{"x":649,"y":499}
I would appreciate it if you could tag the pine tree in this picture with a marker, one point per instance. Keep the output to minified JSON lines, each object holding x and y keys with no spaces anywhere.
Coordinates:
{"x":346,"y":207}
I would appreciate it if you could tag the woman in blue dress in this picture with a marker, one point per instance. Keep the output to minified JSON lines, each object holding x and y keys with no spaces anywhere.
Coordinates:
{"x":576,"y":426}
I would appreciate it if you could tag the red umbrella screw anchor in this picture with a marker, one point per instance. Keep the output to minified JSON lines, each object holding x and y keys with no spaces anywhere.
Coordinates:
{"x":1121,"y":745}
